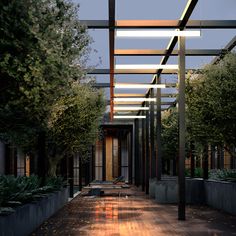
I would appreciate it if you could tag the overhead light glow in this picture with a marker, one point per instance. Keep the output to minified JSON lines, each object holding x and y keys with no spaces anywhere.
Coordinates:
{"x":134,"y":99}
{"x":130,"y":108}
{"x":135,"y":86}
{"x":157,"y":33}
{"x":129,"y":117}
{"x":146,"y":67}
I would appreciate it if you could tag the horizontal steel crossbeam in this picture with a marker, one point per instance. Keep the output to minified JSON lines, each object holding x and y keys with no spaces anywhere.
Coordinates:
{"x":152,"y":24}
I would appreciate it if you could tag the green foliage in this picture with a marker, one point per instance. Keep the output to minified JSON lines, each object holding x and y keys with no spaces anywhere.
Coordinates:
{"x":198,"y":172}
{"x":43,"y":50}
{"x":211,"y":103}
{"x":225,"y":174}
{"x":74,"y":123}
{"x":55,"y":183}
{"x":169,"y":134}
{"x":40,"y":42}
{"x":15,"y":191}
{"x":75,"y":118}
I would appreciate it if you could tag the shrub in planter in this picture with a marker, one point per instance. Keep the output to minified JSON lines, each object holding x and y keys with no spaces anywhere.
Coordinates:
{"x":15,"y":191}
{"x":224,"y":174}
{"x":198,"y":172}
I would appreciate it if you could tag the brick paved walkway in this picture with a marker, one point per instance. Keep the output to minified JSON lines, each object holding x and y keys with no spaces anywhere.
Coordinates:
{"x":134,"y":215}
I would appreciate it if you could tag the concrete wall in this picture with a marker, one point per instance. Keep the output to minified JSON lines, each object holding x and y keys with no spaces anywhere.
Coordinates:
{"x":28,"y":217}
{"x":2,"y":158}
{"x":152,"y":187}
{"x":218,"y":194}
{"x":166,"y":190}
{"x":221,"y":195}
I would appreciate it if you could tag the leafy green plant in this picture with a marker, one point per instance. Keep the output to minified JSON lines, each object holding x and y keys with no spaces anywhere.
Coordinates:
{"x":15,"y":191}
{"x":55,"y":182}
{"x":211,"y":106}
{"x":198,"y":172}
{"x":224,"y":174}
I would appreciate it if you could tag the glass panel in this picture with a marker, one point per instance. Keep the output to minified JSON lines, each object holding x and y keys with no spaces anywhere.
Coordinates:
{"x":124,"y":153}
{"x":115,"y":158}
{"x":124,"y":159}
{"x":98,"y":173}
{"x":124,"y":172}
{"x":20,"y":163}
{"x":98,"y":160}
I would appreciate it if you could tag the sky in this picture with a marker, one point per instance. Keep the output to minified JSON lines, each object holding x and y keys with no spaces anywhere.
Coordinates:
{"x":154,"y":10}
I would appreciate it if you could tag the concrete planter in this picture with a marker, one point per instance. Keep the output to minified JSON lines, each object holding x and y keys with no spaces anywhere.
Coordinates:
{"x":218,"y":194}
{"x":28,"y":217}
{"x":152,"y":187}
{"x":221,"y":195}
{"x":166,"y":190}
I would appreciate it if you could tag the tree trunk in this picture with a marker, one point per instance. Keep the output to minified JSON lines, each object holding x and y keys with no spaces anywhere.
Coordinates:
{"x":192,"y":158}
{"x":205,"y":162}
{"x":42,"y":165}
{"x":71,"y":175}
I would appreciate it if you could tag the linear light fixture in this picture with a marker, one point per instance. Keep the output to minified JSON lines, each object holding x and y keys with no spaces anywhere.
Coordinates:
{"x":134,"y":99}
{"x":135,"y":86}
{"x":157,"y":33}
{"x":129,"y":117}
{"x":130,"y":108}
{"x":146,"y":66}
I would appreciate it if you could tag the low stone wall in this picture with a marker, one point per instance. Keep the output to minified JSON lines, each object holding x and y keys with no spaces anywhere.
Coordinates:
{"x":221,"y":195}
{"x":28,"y":217}
{"x":152,"y":187}
{"x":218,"y":194}
{"x":166,"y":190}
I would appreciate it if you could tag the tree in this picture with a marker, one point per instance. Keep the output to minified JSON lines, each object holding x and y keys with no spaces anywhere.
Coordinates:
{"x":211,"y":103}
{"x":169,"y":134}
{"x":74,"y":123}
{"x":40,"y":41}
{"x":43,"y":50}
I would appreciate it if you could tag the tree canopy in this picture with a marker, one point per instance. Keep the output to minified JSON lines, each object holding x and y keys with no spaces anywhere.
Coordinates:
{"x":42,"y":51}
{"x":211,"y":103}
{"x":210,"y":109}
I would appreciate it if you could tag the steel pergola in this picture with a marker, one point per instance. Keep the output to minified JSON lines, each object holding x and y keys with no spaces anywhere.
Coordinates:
{"x":155,"y":110}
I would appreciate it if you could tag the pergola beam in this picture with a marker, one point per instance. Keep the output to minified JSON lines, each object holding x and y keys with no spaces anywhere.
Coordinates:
{"x":130,"y":71}
{"x":229,"y":47}
{"x":154,"y":24}
{"x":130,"y":103}
{"x":107,"y":85}
{"x":150,"y":52}
{"x":164,"y":95}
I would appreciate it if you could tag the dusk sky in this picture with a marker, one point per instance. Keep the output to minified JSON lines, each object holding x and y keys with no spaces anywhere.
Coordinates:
{"x":154,"y":10}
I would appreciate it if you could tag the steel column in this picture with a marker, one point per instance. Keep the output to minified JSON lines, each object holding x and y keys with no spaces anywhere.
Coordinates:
{"x":130,"y":154}
{"x":136,"y":152}
{"x":143,"y":152}
{"x":104,"y":157}
{"x":147,"y":153}
{"x":158,"y":132}
{"x":152,"y":140}
{"x":181,"y":169}
{"x":111,"y":47}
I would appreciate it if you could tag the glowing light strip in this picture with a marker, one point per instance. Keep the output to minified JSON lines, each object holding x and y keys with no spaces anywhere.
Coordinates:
{"x":146,"y":66}
{"x":130,"y":108}
{"x":157,"y":33}
{"x":134,"y":99}
{"x":129,"y":117}
{"x":134,"y":86}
